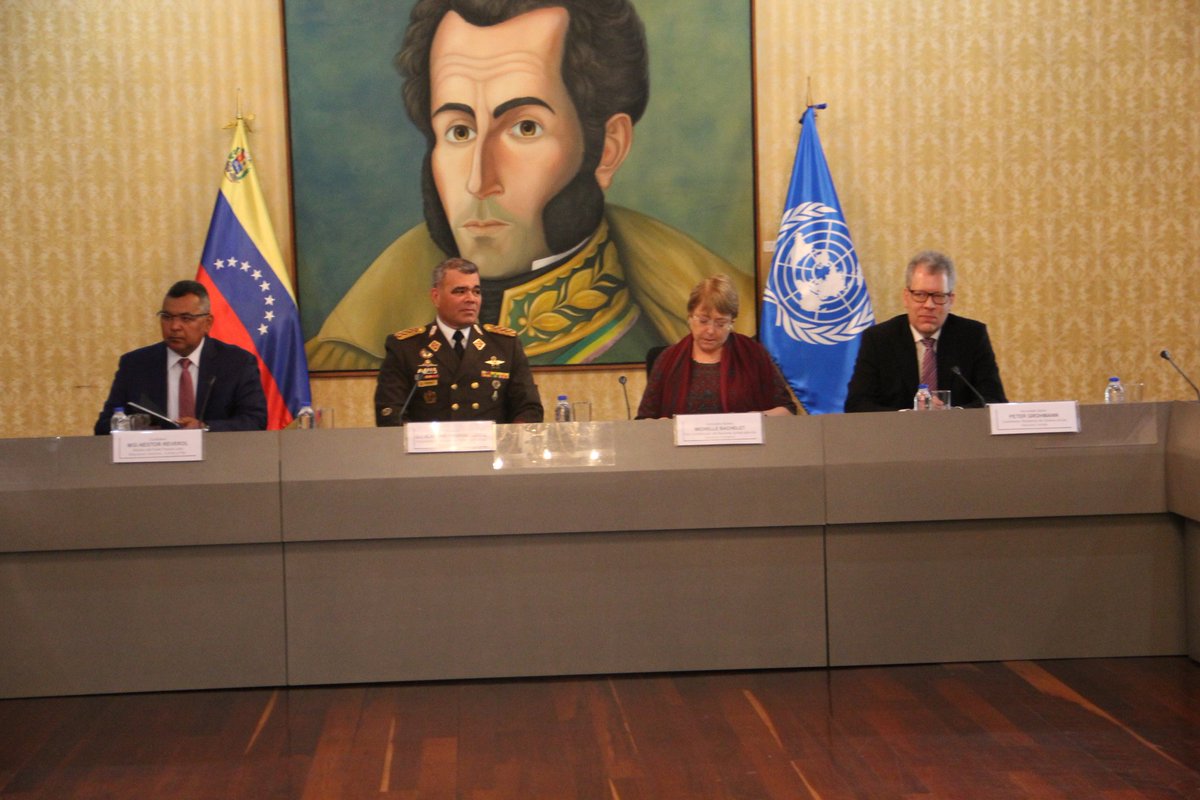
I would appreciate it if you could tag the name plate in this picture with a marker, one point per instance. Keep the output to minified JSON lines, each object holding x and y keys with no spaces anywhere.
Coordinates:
{"x":701,"y":429}
{"x":450,"y":437}
{"x":135,"y":447}
{"x":1060,"y":416}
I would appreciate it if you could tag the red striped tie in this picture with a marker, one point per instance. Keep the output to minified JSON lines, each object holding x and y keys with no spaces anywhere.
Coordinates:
{"x":187,"y":391}
{"x":929,"y":365}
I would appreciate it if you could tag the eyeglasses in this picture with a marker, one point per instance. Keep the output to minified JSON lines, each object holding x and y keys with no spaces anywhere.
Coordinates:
{"x":716,"y":324}
{"x":938,"y":298}
{"x":186,"y":319}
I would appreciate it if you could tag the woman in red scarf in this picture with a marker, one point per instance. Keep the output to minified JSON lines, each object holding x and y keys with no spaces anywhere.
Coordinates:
{"x":713,"y":370}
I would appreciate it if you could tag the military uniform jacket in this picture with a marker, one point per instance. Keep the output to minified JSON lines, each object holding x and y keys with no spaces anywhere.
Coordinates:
{"x":491,"y":380}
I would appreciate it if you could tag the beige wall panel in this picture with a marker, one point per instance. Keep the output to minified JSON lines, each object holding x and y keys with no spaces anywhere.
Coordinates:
{"x":111,"y":149}
{"x":1053,"y":149}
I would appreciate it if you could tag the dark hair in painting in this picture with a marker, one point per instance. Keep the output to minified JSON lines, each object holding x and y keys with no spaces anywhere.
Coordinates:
{"x":606,"y":71}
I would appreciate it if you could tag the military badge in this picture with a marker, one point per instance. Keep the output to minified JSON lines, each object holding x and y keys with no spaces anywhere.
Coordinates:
{"x":407,"y":333}
{"x":494,"y":362}
{"x":430,"y":397}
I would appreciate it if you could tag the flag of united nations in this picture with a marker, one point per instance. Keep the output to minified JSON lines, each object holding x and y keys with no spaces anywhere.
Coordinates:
{"x":815,"y":305}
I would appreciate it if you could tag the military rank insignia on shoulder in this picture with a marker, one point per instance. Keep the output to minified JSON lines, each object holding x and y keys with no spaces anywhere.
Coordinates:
{"x":490,"y":328}
{"x":408,"y":333}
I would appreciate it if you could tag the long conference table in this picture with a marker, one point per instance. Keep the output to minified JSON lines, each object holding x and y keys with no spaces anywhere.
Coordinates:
{"x":333,"y":556}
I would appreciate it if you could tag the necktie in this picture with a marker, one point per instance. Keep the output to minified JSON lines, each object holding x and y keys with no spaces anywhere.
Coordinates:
{"x":187,"y":391}
{"x":458,"y":343}
{"x":929,"y":365}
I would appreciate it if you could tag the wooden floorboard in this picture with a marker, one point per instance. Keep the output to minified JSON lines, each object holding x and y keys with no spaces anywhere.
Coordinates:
{"x":1112,"y":729}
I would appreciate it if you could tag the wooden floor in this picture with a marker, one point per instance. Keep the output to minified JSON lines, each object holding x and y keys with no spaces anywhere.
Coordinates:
{"x":1114,"y":729}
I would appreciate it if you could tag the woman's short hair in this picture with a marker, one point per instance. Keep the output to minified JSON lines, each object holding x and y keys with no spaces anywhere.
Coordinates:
{"x":717,"y":293}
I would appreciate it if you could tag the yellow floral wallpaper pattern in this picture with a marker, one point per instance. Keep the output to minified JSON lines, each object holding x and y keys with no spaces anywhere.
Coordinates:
{"x":1051,"y":148}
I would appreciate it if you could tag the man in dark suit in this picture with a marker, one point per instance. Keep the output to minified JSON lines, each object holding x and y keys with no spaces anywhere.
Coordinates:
{"x":195,"y":380}
{"x":463,"y":371}
{"x":924,"y":345}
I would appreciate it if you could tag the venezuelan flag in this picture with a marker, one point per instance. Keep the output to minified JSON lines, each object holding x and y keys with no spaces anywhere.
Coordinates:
{"x":253,"y":302}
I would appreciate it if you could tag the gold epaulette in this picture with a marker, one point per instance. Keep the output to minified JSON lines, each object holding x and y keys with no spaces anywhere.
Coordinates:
{"x":490,"y":328}
{"x":408,"y":333}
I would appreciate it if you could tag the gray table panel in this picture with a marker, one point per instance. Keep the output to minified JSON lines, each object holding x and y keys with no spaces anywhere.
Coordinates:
{"x":1183,"y":460}
{"x":82,"y":622}
{"x":360,"y":484}
{"x":1005,"y":589}
{"x":895,"y":467}
{"x":65,"y":494}
{"x":1192,"y":568}
{"x":553,"y":605}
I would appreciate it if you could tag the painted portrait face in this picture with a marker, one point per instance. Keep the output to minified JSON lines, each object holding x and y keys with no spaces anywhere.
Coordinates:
{"x":507,"y":137}
{"x":927,"y":315}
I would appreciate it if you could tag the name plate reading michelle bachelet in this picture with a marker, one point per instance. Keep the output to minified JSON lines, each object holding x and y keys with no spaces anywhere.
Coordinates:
{"x":1061,"y":416}
{"x":699,"y":429}
{"x":450,"y":437}
{"x":137,"y":447}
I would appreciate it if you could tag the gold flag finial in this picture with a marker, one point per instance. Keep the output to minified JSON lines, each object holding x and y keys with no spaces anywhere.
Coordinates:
{"x":247,"y":118}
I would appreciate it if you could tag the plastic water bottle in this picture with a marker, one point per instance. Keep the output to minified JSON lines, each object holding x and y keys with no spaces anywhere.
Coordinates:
{"x":305,"y":418}
{"x":923,"y":399}
{"x":1114,"y":392}
{"x":119,"y":420}
{"x":562,"y":409}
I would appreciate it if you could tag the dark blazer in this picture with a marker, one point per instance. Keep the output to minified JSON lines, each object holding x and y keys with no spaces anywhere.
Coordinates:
{"x":886,"y":373}
{"x":229,"y":392}
{"x":492,"y":380}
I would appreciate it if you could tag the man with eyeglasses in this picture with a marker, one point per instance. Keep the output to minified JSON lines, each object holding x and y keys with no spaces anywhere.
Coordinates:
{"x":924,"y":345}
{"x":189,"y":377}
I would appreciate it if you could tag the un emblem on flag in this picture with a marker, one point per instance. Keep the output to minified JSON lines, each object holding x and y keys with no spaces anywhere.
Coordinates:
{"x":815,"y":283}
{"x":237,"y":165}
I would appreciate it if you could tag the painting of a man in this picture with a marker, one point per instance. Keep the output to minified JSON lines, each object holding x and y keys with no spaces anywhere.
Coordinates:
{"x":528,"y":109}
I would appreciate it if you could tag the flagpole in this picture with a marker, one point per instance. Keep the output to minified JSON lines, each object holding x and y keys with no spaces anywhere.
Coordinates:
{"x":247,"y":119}
{"x":815,"y":303}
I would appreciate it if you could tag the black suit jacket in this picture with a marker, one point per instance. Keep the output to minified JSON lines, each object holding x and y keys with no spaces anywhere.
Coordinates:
{"x":229,"y":392}
{"x":886,"y":374}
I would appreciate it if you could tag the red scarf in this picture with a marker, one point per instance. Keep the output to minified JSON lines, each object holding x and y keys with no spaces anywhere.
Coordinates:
{"x":747,"y":376}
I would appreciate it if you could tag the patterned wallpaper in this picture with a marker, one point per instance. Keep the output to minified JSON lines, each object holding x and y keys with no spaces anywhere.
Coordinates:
{"x":111,"y":153}
{"x":1053,"y":149}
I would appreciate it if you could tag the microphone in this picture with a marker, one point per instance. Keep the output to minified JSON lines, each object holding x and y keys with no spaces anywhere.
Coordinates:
{"x":407,"y":400}
{"x":1167,"y":357}
{"x":207,"y":394}
{"x":625,"y":391}
{"x":982,"y":402}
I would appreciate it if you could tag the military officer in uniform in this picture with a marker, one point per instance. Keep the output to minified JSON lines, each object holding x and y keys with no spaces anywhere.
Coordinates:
{"x":461,"y":370}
